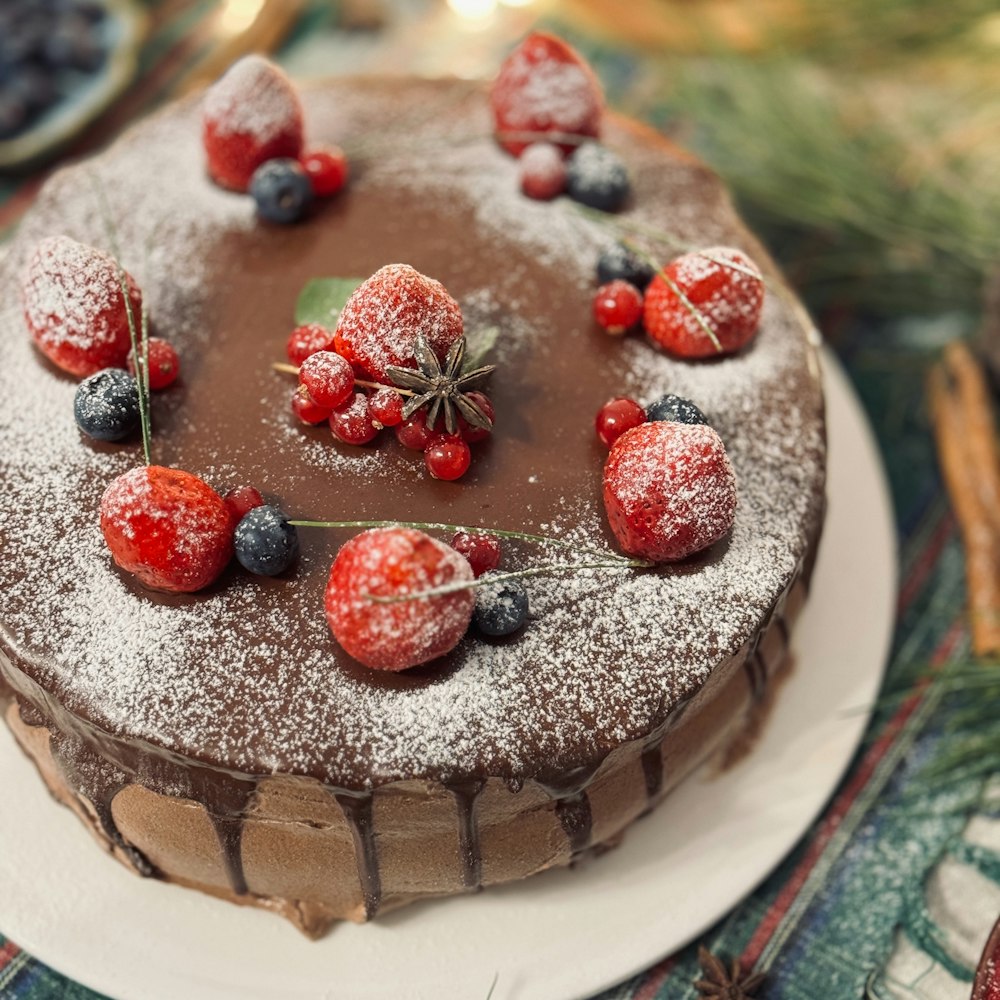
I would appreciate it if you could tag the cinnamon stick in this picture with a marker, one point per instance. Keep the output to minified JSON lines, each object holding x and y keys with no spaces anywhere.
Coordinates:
{"x":965,"y":433}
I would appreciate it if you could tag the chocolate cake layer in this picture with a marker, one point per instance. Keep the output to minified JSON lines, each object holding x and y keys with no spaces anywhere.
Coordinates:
{"x":196,"y":697}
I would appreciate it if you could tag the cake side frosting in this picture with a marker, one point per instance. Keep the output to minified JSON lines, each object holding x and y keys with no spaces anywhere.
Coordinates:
{"x":245,"y":676}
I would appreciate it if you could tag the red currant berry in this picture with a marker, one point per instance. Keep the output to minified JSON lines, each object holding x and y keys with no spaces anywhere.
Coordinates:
{"x":352,"y":422}
{"x":328,"y":378}
{"x":306,"y":340}
{"x":618,"y":306}
{"x":543,"y":171}
{"x":241,"y":500}
{"x":473,"y":434}
{"x":327,"y":169}
{"x":307,"y":409}
{"x":616,"y":417}
{"x":164,"y":365}
{"x":414,"y":433}
{"x":482,"y":550}
{"x":386,"y":406}
{"x":447,"y":457}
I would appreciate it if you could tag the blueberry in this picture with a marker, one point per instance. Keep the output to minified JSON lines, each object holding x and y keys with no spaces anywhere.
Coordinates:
{"x":501,"y":606}
{"x":106,"y":405}
{"x":282,"y":190}
{"x":597,"y":177}
{"x":265,"y":543}
{"x":676,"y":410}
{"x":618,"y":262}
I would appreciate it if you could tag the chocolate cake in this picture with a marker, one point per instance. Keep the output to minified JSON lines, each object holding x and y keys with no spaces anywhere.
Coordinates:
{"x":222,"y":739}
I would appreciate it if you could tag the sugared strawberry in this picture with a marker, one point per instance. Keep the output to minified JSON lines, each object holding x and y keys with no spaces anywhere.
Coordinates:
{"x":395,"y":562}
{"x":251,"y":115}
{"x":723,"y":288}
{"x":380,"y":322}
{"x":168,"y":527}
{"x":164,"y":365}
{"x":669,"y":490}
{"x":75,"y":308}
{"x":544,"y":86}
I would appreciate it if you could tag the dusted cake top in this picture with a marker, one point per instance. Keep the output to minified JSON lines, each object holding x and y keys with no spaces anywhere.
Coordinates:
{"x":245,"y":675}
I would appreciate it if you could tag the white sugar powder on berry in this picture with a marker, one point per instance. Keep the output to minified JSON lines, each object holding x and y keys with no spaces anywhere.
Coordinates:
{"x":254,"y":98}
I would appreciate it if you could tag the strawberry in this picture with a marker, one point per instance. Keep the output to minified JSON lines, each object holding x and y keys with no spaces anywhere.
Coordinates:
{"x":669,"y":490}
{"x":168,"y":527}
{"x":545,"y":86}
{"x":724,"y":286}
{"x":75,"y":308}
{"x":251,"y":115}
{"x":393,"y":562}
{"x":379,"y":323}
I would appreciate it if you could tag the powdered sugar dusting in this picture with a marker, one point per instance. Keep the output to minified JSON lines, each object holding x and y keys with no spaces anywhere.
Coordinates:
{"x":393,"y":563}
{"x":537,"y":91}
{"x":382,"y":319}
{"x":74,"y":305}
{"x":606,"y":653}
{"x":669,"y":489}
{"x":253,"y":98}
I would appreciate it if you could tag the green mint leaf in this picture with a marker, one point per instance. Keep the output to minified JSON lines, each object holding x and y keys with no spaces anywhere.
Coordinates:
{"x":478,"y":344}
{"x":321,"y":300}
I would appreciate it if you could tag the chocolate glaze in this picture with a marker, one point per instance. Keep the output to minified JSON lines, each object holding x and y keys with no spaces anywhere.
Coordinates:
{"x":466,"y":798}
{"x":357,"y":807}
{"x":652,"y":770}
{"x":573,"y":806}
{"x":253,"y":275}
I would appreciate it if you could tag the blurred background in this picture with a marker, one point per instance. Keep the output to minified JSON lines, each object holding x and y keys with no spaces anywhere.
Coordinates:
{"x":861,"y":138}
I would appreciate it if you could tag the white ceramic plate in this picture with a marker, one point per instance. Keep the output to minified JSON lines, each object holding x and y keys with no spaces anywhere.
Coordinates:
{"x":563,"y":934}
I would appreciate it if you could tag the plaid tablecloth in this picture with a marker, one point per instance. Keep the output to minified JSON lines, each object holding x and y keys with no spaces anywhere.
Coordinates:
{"x":880,"y":895}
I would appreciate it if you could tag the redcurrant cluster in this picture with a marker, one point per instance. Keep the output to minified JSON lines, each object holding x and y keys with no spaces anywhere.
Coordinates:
{"x":357,"y":411}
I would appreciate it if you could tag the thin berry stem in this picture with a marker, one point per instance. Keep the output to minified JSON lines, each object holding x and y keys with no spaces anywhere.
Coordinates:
{"x":624,"y":225}
{"x":380,"y":385}
{"x":437,"y":526}
{"x":281,"y":366}
{"x":139,"y":341}
{"x":456,"y":585}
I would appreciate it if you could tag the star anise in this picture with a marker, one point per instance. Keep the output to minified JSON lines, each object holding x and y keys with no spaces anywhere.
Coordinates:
{"x":721,"y":983}
{"x":442,"y":388}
